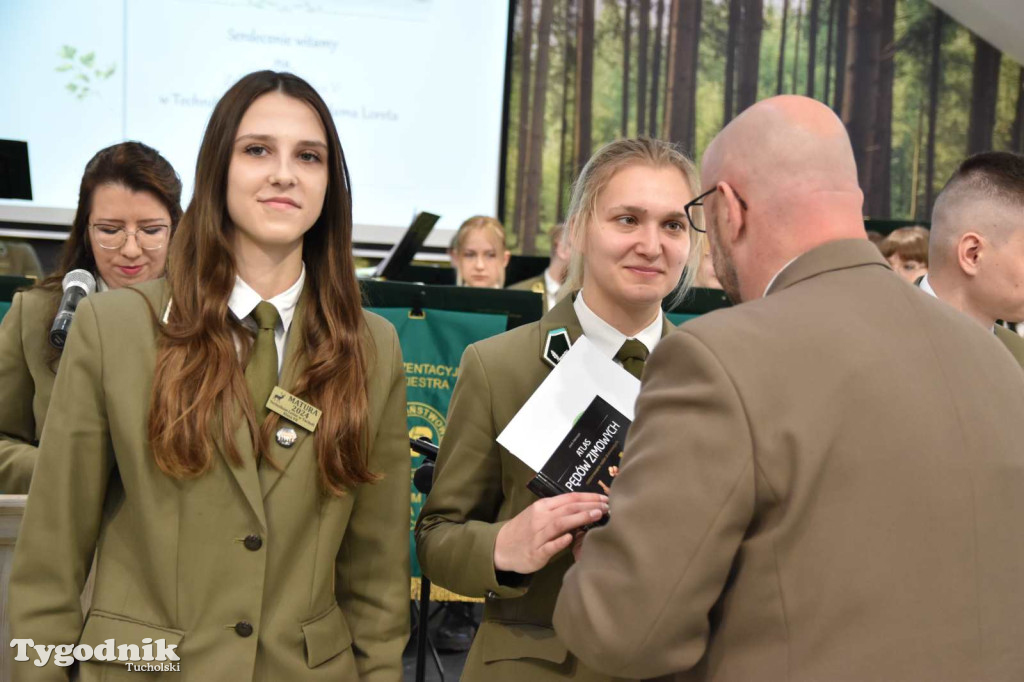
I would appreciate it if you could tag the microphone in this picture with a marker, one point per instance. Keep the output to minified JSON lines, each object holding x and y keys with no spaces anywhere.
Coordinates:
{"x":423,"y":477}
{"x":77,"y":285}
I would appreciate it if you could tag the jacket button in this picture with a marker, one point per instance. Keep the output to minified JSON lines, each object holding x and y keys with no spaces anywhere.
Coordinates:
{"x":286,"y":436}
{"x":491,"y":594}
{"x":253,"y":542}
{"x":243,"y":628}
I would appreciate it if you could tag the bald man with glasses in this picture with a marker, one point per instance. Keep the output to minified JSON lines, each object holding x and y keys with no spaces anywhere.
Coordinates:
{"x":824,"y":482}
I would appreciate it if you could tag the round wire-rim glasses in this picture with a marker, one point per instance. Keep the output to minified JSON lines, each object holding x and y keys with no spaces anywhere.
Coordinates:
{"x":149,"y":238}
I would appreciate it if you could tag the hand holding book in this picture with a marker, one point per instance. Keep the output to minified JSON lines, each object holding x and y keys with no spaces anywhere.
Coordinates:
{"x":528,"y":541}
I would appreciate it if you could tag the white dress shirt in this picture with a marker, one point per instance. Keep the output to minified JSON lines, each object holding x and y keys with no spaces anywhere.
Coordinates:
{"x":244,"y":299}
{"x":772,"y":280}
{"x":607,"y":338}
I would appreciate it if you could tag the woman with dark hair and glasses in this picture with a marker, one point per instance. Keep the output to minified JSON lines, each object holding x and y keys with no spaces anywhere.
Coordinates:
{"x":232,"y":443}
{"x":128,"y":205}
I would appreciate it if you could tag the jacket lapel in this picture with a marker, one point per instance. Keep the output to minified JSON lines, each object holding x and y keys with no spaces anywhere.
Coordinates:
{"x":245,"y":473}
{"x":562,"y":316}
{"x":295,"y":363}
{"x":666,"y":325}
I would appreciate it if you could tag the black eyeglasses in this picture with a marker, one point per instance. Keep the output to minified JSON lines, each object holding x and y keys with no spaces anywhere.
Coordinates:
{"x":695,"y":209}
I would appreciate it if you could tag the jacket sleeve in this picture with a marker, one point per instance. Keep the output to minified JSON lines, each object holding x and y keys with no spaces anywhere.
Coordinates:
{"x":458,"y":526}
{"x":372,"y":566}
{"x":636,"y":604}
{"x":62,"y":518}
{"x":17,"y":420}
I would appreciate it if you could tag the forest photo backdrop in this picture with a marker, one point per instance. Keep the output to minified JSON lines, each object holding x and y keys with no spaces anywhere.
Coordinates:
{"x":916,"y":90}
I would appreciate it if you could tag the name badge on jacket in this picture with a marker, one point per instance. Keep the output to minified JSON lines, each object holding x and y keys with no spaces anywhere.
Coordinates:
{"x":294,"y":409}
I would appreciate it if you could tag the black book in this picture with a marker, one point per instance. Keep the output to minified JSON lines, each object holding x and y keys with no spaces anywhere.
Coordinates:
{"x":588,"y":458}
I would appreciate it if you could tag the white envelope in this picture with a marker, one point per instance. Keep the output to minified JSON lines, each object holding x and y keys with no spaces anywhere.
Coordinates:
{"x":582,"y":373}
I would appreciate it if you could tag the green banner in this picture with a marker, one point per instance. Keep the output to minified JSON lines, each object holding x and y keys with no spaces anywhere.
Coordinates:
{"x":678,"y":318}
{"x":432,"y":347}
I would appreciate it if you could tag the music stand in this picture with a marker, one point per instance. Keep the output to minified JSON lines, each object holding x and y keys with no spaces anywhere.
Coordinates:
{"x":521,"y":307}
{"x":405,"y":249}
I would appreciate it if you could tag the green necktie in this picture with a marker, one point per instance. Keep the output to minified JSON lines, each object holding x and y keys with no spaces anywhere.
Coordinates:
{"x":261,"y":372}
{"x":632,"y":355}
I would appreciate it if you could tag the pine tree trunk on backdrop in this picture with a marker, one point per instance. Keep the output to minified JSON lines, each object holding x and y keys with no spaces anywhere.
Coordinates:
{"x":983,"y":96}
{"x":627,"y":30}
{"x":828,"y":50}
{"x":567,"y":59}
{"x":526,"y":48}
{"x":879,"y":201}
{"x":1017,"y":134}
{"x":861,"y":99}
{"x":749,"y":57}
{"x":584,"y":85}
{"x":731,"y":42}
{"x":812,"y":47}
{"x":680,"y":106}
{"x":643,"y":34}
{"x":842,"y":40}
{"x":796,"y":46}
{"x":652,"y":122}
{"x":534,"y":166}
{"x":934,"y":79}
{"x":782,"y":48}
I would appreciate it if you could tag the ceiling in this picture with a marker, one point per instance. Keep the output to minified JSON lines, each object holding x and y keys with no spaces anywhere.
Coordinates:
{"x":1000,"y":22}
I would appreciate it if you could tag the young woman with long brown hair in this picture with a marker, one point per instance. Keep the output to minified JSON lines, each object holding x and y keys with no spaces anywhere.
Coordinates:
{"x":266,"y":544}
{"x":129,"y":203}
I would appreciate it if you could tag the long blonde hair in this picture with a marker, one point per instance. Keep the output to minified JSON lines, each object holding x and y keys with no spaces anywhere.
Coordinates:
{"x":595,"y":176}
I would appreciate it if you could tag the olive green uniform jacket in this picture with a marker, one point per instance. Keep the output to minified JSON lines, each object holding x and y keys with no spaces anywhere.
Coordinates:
{"x":26,"y":382}
{"x":535,"y":284}
{"x":478,"y":486}
{"x":255,"y":574}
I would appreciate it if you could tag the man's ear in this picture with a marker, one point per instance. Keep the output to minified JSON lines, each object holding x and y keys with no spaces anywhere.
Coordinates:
{"x":732,"y":219}
{"x":508,"y":256}
{"x":969,"y":252}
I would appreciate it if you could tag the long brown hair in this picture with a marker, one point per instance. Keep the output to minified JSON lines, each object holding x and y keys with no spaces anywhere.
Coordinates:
{"x":133,"y":165}
{"x":199,"y":378}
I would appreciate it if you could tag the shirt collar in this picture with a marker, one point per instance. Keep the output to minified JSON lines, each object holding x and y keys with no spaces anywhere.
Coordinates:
{"x":926,"y":287}
{"x":101,"y":286}
{"x":550,"y":283}
{"x":244,"y":299}
{"x":609,"y":339}
{"x":767,"y":288}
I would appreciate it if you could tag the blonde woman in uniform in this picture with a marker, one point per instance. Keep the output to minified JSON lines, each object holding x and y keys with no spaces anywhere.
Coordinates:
{"x":482,"y":533}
